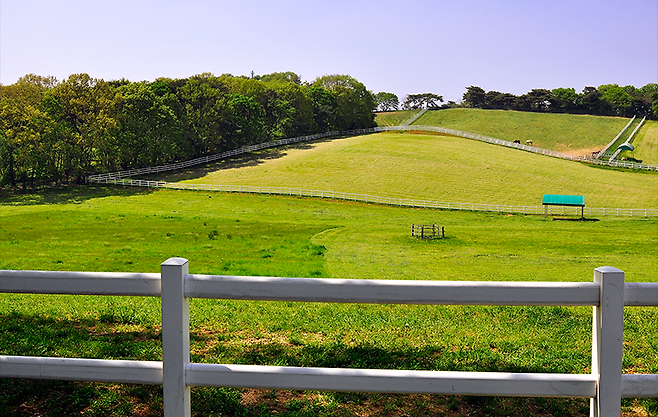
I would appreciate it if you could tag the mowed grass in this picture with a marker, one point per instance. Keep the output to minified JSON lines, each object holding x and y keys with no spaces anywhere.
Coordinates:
{"x":646,"y":143}
{"x":116,"y":229}
{"x":570,"y":133}
{"x":429,"y":167}
{"x":394,"y":118}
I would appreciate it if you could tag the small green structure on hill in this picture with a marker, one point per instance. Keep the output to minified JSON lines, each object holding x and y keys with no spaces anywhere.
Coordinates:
{"x":564,"y":200}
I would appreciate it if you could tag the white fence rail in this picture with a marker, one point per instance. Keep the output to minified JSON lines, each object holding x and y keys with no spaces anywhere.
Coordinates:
{"x":414,"y":117}
{"x":264,"y":145}
{"x":392,"y":201}
{"x":604,"y":151}
{"x":606,"y":385}
{"x":630,"y":138}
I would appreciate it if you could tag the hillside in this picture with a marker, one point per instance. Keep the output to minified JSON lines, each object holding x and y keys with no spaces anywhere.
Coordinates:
{"x":431,"y":167}
{"x":394,"y":118}
{"x":571,"y":133}
{"x":646,"y":143}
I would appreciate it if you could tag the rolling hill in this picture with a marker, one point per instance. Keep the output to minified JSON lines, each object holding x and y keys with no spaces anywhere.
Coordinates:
{"x":431,"y":167}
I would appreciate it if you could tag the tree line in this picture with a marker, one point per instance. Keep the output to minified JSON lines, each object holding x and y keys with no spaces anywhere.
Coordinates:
{"x":55,"y":132}
{"x":606,"y":100}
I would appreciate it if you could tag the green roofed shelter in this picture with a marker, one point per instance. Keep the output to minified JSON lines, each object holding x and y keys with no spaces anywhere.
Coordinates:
{"x":564,"y":200}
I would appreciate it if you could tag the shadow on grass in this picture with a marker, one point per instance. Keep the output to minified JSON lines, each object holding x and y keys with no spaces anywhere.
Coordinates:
{"x":74,"y":194}
{"x":104,"y":337}
{"x":251,"y":159}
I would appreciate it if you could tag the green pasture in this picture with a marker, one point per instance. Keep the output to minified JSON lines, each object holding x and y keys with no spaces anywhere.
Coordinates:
{"x":646,"y":143}
{"x":394,"y":118}
{"x":122,"y":229}
{"x":429,"y":167}
{"x":570,"y":133}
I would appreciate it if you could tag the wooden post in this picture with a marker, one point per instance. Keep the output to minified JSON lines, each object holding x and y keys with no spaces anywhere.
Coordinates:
{"x":607,"y":339}
{"x":175,"y":337}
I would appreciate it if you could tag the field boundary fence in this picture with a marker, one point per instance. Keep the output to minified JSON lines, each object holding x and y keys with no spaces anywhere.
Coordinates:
{"x":391,"y":201}
{"x":606,"y":385}
{"x":253,"y":148}
{"x":630,"y":138}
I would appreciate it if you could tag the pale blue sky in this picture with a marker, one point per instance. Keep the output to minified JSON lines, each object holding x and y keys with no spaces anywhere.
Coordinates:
{"x":404,"y":47}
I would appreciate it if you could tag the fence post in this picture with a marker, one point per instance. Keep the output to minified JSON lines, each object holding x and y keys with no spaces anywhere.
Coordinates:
{"x":607,"y":339}
{"x":175,"y":337}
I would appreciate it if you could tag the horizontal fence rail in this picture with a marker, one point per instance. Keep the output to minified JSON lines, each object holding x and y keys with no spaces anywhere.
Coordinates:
{"x":606,"y":385}
{"x":392,"y":201}
{"x":289,"y":141}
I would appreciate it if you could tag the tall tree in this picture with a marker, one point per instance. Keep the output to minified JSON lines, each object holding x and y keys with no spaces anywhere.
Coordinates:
{"x":387,"y":101}
{"x":422,"y":101}
{"x":84,"y":106}
{"x":354,"y":103}
{"x":474,"y":97}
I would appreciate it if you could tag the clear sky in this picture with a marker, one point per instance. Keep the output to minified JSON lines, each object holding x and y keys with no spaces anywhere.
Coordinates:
{"x":404,"y":47}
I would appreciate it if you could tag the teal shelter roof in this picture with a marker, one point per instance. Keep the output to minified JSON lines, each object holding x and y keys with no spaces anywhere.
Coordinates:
{"x":626,"y":147}
{"x":563,"y":200}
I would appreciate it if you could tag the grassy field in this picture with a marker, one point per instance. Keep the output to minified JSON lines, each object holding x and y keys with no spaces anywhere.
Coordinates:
{"x":571,"y":133}
{"x":646,"y":143}
{"x":431,"y":167}
{"x":394,"y":118}
{"x":116,"y":229}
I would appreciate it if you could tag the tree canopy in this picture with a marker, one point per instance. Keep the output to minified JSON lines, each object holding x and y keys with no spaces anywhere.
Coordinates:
{"x":606,"y":100}
{"x":56,"y":132}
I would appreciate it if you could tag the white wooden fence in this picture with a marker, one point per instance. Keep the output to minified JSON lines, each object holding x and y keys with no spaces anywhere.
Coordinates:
{"x":605,"y":386}
{"x":604,"y":151}
{"x":391,"y":201}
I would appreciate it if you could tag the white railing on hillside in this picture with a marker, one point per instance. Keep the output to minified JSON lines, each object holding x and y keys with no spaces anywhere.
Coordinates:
{"x":630,"y":138}
{"x":606,"y":385}
{"x":265,"y":145}
{"x":414,"y":117}
{"x":612,"y":142}
{"x":391,"y":201}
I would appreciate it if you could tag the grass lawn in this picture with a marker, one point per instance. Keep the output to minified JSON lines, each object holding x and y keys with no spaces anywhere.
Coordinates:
{"x":117,"y":229}
{"x":430,"y":167}
{"x":570,"y":133}
{"x":646,"y":143}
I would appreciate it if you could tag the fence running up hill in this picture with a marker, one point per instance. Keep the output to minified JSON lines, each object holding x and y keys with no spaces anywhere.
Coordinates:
{"x":605,"y":386}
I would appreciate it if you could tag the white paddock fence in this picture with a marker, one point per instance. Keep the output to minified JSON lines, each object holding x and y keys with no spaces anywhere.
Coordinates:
{"x":604,"y":151}
{"x":606,"y":385}
{"x":392,"y":201}
{"x":281,"y":142}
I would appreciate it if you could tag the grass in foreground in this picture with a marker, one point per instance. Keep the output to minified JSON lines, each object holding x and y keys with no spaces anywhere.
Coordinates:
{"x":429,"y":167}
{"x":113,"y":229}
{"x":570,"y":133}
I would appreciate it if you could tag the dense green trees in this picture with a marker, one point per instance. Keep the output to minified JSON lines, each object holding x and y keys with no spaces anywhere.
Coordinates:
{"x":608,"y":100}
{"x":54,"y":132}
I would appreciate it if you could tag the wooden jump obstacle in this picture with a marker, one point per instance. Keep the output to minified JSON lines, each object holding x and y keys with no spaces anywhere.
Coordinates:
{"x":427,"y":231}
